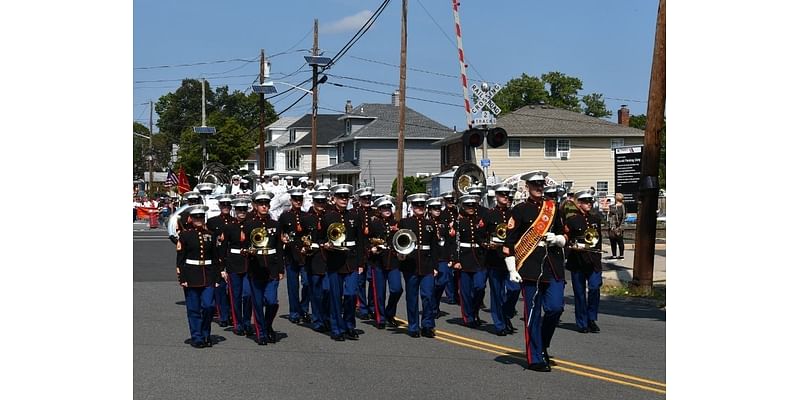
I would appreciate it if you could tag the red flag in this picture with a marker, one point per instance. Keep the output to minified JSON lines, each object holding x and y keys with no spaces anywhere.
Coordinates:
{"x":183,"y":182}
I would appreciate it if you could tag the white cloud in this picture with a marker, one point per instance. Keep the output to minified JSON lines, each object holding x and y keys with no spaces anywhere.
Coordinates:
{"x":346,"y":24}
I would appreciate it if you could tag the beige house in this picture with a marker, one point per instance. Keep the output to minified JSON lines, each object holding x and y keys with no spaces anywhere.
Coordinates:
{"x":574,"y":148}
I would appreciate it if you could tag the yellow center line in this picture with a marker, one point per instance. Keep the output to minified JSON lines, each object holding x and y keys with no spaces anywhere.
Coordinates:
{"x":516,"y":353}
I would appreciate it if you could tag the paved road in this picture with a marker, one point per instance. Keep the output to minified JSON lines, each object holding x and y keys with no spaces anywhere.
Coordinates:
{"x":626,"y":360}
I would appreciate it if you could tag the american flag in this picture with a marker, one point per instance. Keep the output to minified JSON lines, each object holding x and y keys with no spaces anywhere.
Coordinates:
{"x":172,"y":179}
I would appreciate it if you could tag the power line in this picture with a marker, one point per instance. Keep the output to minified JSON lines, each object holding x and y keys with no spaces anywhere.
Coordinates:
{"x":434,"y":91}
{"x":360,"y":33}
{"x":195,"y":64}
{"x":182,"y":79}
{"x":408,"y":97}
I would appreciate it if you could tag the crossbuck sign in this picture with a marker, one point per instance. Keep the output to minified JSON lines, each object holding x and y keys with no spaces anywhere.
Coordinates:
{"x":484,"y":95}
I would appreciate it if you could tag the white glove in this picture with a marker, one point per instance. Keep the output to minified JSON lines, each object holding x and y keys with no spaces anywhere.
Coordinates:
{"x":511,"y":266}
{"x":553,"y":239}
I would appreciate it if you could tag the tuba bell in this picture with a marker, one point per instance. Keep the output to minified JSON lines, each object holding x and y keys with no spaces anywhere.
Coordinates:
{"x":336,"y":235}
{"x":468,"y":174}
{"x":404,"y":241}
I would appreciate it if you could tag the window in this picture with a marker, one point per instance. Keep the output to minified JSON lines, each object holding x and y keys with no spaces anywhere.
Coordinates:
{"x":616,"y":143}
{"x":292,"y":136}
{"x":333,"y":156}
{"x":556,"y":148}
{"x":567,"y":185}
{"x":602,"y":189}
{"x":356,"y":151}
{"x":270,"y":164}
{"x":251,"y":166}
{"x":513,"y":147}
{"x":348,"y":127}
{"x":292,"y":159}
{"x":269,"y":135}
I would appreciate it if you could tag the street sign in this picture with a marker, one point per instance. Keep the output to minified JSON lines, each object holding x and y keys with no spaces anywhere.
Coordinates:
{"x":485,"y":163}
{"x":486,"y":119}
{"x":627,"y":172}
{"x":484,"y":95}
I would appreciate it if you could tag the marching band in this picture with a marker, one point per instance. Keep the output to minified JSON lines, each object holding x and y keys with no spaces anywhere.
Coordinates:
{"x":339,"y":259}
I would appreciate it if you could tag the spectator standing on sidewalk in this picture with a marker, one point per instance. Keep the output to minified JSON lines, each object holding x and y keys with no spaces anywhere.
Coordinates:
{"x":616,"y":215}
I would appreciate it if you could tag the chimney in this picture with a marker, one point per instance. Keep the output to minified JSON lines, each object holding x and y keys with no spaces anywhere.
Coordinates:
{"x":396,"y":98}
{"x":624,"y":115}
{"x":348,"y":107}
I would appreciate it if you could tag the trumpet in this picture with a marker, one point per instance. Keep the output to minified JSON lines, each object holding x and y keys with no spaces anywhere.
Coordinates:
{"x":378,"y":242}
{"x":336,"y":235}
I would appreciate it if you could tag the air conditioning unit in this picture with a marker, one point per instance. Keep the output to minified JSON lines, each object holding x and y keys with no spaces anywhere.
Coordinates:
{"x":563,"y":155}
{"x":423,"y":174}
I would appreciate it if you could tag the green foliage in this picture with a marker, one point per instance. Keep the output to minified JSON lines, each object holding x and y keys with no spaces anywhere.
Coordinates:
{"x":563,"y":90}
{"x":411,"y":185}
{"x":595,"y":106}
{"x":520,"y":92}
{"x":234,"y":115}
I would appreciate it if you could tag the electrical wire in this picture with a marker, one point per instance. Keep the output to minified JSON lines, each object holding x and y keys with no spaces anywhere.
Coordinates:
{"x":358,"y":35}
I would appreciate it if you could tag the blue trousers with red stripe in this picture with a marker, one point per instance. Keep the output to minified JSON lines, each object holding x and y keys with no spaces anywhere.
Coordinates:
{"x":540,"y":328}
{"x":318,"y":291}
{"x":199,"y":311}
{"x":586,"y":307}
{"x":343,"y":301}
{"x":419,"y":286}
{"x":440,"y":283}
{"x":222,"y":301}
{"x":472,"y":287}
{"x":298,"y":298}
{"x":364,"y":302}
{"x":239,"y":289}
{"x":504,"y":295}
{"x":380,"y":277}
{"x":265,"y":304}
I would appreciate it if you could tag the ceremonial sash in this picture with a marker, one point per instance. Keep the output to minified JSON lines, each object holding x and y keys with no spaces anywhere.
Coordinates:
{"x":531,"y":238}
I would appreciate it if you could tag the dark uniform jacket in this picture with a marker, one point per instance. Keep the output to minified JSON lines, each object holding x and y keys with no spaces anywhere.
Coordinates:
{"x":215,"y":225}
{"x":339,"y":260}
{"x":291,"y":223}
{"x":313,"y":222}
{"x":197,"y":259}
{"x":385,"y":229}
{"x":442,"y":247}
{"x":471,"y":229}
{"x":362,"y":232}
{"x":551,"y":258}
{"x":419,"y":261}
{"x":497,"y":216}
{"x":265,"y":266}
{"x":575,"y":229}
{"x":233,"y":241}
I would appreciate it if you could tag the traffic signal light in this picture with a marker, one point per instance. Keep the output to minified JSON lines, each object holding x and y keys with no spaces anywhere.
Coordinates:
{"x":496,"y":137}
{"x":473,"y":138}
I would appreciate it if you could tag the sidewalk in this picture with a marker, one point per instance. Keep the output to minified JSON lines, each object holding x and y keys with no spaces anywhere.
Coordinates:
{"x":620,"y":272}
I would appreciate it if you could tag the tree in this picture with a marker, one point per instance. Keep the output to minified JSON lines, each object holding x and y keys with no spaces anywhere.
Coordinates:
{"x":595,"y":106}
{"x":140,"y":146}
{"x":520,"y":92}
{"x":411,"y":185}
{"x":640,"y":122}
{"x":563,"y":90}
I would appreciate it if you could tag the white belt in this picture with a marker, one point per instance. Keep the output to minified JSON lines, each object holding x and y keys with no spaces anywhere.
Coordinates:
{"x":199,"y":262}
{"x":425,"y":247}
{"x":314,"y":245}
{"x":353,"y":243}
{"x":264,"y":251}
{"x":469,"y":245}
{"x":236,"y":251}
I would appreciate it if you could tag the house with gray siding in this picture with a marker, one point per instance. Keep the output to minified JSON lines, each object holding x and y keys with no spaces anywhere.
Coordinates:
{"x":367,"y":149}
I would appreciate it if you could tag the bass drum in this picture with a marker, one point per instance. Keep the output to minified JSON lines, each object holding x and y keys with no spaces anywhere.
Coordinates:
{"x":172,"y":225}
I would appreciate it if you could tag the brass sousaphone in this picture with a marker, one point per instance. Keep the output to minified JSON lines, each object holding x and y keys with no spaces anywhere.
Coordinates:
{"x":404,"y":241}
{"x":468,"y":174}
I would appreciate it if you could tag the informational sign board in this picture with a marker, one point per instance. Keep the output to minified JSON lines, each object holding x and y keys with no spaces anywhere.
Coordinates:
{"x":627,"y":172}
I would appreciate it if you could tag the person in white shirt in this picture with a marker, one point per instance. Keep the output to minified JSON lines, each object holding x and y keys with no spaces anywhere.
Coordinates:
{"x":235,"y":186}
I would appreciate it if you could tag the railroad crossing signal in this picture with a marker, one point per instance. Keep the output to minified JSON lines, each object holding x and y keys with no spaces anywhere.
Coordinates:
{"x":484,"y":95}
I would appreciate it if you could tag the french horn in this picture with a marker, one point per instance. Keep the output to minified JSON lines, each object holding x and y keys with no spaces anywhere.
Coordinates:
{"x":500,"y":233}
{"x":336,"y":235}
{"x":259,"y":239}
{"x":404,"y":241}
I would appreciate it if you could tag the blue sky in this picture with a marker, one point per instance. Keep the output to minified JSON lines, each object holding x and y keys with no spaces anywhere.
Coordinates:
{"x":608,"y":44}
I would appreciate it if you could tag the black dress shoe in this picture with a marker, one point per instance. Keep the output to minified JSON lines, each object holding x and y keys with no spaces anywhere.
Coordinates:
{"x":272,"y":337}
{"x":295,"y":320}
{"x":392,"y":322}
{"x":474,"y":324}
{"x":510,"y":328}
{"x":546,"y":357}
{"x":262,"y":342}
{"x":414,"y":334}
{"x":501,"y":332}
{"x":583,"y":330}
{"x":208,"y":342}
{"x":319,"y":329}
{"x":428,"y":332}
{"x":198,"y":345}
{"x":249,"y":331}
{"x":540,"y":367}
{"x":351,"y":335}
{"x":223,"y":324}
{"x":338,"y":338}
{"x":363,"y":317}
{"x":593,"y":327}
{"x":306,"y":318}
{"x":381,"y":325}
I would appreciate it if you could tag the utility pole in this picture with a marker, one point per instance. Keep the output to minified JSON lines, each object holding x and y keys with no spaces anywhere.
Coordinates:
{"x":648,"y":187}
{"x":262,"y":152}
{"x":150,"y":152}
{"x":402,"y":111}
{"x":203,"y":121}
{"x":315,"y":97}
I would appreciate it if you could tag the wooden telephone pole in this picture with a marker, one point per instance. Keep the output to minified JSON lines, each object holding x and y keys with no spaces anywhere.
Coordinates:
{"x":314,"y":97}
{"x":262,"y":153}
{"x":402,"y":105}
{"x":648,"y":186}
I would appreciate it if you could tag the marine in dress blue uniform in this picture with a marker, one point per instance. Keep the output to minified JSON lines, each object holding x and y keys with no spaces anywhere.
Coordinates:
{"x":585,"y":267}
{"x":472,"y":237}
{"x":450,"y":214}
{"x":317,"y":263}
{"x":198,"y":274}
{"x":441,"y":249}
{"x":364,"y":209}
{"x":541,"y":273}
{"x":292,"y":232}
{"x":342,"y":265}
{"x":265,"y":268}
{"x":384,"y":265}
{"x":418,"y":269}
{"x":504,"y":293}
{"x":216,"y":225}
{"x":235,"y":268}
